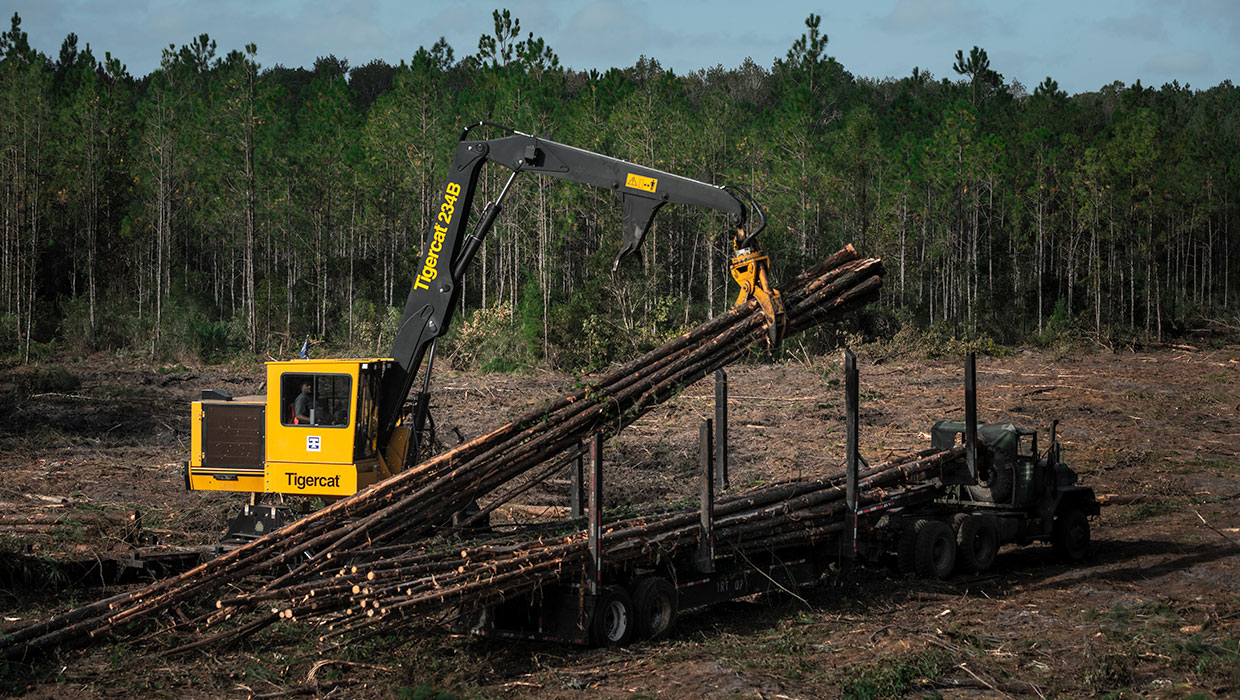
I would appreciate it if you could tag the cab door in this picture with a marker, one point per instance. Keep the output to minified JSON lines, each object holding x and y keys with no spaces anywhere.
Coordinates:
{"x":311,"y":424}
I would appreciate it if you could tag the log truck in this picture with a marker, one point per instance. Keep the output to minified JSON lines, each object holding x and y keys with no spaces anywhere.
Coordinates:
{"x":999,"y":490}
{"x":330,"y":427}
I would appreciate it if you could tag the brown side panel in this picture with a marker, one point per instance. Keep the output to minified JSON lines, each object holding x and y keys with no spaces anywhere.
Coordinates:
{"x":232,"y":435}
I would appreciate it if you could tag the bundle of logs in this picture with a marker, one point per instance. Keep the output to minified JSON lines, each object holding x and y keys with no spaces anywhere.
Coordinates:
{"x":400,"y":586}
{"x":385,"y":517}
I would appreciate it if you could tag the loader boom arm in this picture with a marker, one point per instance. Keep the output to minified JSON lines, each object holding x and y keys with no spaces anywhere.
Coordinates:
{"x":447,"y":251}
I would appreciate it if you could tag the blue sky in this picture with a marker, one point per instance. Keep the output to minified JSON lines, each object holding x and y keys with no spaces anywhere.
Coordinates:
{"x":1084,"y":44}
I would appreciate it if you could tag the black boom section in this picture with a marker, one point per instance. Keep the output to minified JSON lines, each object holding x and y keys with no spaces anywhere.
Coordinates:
{"x":447,"y":252}
{"x":432,"y":298}
{"x":641,"y":190}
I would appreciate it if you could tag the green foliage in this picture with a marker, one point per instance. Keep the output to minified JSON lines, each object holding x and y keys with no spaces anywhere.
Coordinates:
{"x":1059,"y":327}
{"x":488,"y":341}
{"x":369,"y":325}
{"x":22,"y":573}
{"x":189,"y":332}
{"x":1110,"y":672}
{"x":9,"y":330}
{"x":939,"y":340}
{"x":216,"y":207}
{"x":1212,"y":658}
{"x":894,"y":677}
{"x":531,"y":318}
{"x":1147,"y":509}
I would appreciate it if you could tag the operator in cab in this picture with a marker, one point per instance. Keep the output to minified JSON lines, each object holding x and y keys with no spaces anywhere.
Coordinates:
{"x":305,"y":405}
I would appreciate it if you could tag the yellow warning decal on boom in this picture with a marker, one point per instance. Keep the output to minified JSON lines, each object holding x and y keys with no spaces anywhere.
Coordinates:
{"x":639,"y":182}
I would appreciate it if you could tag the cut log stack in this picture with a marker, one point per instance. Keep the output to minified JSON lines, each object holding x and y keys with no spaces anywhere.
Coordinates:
{"x":387,"y":592}
{"x":122,"y":527}
{"x":413,"y":503}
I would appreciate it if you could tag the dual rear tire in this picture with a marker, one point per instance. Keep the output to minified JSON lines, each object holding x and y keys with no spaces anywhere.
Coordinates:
{"x":977,"y":543}
{"x":614,"y":622}
{"x":933,"y":549}
{"x":927,"y":549}
{"x":649,"y":613}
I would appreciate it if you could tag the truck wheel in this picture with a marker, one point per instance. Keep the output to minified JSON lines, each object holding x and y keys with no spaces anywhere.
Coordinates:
{"x":977,"y":543}
{"x":998,"y":488}
{"x":935,"y":555}
{"x":612,"y":625}
{"x":465,"y":621}
{"x":1071,"y":536}
{"x":656,"y":604}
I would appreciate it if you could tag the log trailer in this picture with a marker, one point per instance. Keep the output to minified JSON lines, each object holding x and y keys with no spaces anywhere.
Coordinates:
{"x":1000,"y":490}
{"x":331,"y":427}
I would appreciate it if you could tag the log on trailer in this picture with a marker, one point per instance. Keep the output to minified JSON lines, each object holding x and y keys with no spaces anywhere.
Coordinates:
{"x":390,"y":591}
{"x":415,"y":502}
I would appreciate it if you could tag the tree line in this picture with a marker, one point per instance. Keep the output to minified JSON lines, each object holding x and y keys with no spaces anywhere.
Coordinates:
{"x":215,"y":205}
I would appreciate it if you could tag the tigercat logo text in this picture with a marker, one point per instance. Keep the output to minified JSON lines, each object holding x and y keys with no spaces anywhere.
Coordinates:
{"x":313,"y":482}
{"x":639,"y":182}
{"x":430,"y":262}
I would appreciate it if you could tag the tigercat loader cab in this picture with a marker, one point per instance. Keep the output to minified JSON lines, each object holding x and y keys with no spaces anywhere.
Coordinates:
{"x":314,"y":434}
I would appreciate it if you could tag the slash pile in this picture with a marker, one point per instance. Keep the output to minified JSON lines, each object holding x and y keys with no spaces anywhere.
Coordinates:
{"x":377,"y":521}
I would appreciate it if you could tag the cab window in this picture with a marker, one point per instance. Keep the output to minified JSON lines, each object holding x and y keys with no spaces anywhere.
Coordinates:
{"x":315,"y":399}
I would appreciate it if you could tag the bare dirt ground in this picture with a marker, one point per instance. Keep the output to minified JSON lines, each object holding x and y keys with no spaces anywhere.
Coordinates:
{"x":1155,"y":613}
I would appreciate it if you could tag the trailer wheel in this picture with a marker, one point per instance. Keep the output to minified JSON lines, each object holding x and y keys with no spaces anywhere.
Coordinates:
{"x":1071,"y":537}
{"x":612,"y":625}
{"x":977,"y":543}
{"x":655,"y":601}
{"x":935,"y":555}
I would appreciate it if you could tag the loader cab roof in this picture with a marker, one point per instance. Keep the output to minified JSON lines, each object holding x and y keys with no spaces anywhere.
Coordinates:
{"x":324,"y":363}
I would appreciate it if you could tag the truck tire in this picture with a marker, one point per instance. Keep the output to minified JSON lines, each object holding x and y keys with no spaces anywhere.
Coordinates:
{"x":656,"y":604}
{"x":613,"y":622}
{"x":998,"y":488}
{"x":935,"y":556}
{"x":1071,"y":536}
{"x":977,"y":543}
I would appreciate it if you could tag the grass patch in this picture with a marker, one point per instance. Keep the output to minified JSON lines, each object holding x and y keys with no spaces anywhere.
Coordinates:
{"x":1216,"y":661}
{"x":1218,"y":464}
{"x":1219,"y":377}
{"x":1213,"y":658}
{"x":1109,"y":672}
{"x":26,"y":573}
{"x":1145,"y":510}
{"x":894,"y":677}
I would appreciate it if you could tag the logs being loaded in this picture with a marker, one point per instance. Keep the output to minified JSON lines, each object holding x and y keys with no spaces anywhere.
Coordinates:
{"x":414,"y":502}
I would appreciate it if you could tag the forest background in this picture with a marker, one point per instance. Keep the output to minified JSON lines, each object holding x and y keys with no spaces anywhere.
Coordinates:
{"x":218,"y":208}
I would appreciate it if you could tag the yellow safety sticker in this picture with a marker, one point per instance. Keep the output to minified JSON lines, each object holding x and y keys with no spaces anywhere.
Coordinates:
{"x":639,"y":182}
